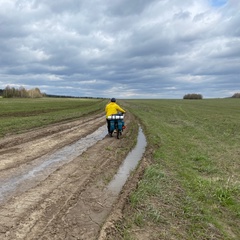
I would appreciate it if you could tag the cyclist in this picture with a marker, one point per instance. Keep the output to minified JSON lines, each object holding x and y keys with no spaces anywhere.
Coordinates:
{"x":112,"y":108}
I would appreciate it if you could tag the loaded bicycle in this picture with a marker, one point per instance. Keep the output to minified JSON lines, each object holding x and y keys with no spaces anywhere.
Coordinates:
{"x":116,"y":124}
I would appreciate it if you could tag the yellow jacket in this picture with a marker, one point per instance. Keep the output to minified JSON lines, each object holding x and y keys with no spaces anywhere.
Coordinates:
{"x":113,"y":108}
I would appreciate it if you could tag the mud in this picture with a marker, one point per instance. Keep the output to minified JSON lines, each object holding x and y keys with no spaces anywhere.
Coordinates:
{"x":65,"y":198}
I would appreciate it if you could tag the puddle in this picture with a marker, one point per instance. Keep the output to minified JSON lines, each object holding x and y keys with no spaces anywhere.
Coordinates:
{"x":30,"y":175}
{"x":95,"y":211}
{"x":128,"y":164}
{"x":94,"y":204}
{"x":43,"y":166}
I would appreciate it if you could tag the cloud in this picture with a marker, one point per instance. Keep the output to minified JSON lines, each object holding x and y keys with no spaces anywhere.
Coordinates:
{"x":126,"y":49}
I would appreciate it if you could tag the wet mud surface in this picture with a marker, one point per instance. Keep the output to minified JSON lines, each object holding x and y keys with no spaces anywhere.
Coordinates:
{"x":54,"y":181}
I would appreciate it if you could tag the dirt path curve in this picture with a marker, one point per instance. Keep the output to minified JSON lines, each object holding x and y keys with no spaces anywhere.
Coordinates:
{"x":70,"y":201}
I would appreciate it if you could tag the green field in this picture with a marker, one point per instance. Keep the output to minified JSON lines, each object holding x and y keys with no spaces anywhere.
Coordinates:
{"x":191,"y":189}
{"x":191,"y":186}
{"x":20,"y":114}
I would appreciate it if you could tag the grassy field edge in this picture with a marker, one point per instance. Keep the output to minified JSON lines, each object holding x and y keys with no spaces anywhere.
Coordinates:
{"x":19,"y":115}
{"x":191,"y":188}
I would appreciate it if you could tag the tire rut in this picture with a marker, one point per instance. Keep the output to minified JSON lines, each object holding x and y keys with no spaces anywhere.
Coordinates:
{"x":71,"y":202}
{"x":44,"y":142}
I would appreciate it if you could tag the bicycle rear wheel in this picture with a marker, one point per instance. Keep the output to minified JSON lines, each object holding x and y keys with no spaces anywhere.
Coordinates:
{"x":118,"y":134}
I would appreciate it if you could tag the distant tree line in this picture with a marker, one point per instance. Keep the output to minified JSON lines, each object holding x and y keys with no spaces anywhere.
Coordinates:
{"x":193,"y":96}
{"x":21,"y":92}
{"x":199,"y":96}
{"x":65,"y":96}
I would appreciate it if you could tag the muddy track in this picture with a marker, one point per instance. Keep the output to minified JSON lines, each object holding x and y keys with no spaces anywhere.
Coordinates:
{"x":71,"y":200}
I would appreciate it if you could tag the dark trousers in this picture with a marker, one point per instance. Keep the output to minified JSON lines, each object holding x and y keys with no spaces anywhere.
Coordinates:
{"x":108,"y":125}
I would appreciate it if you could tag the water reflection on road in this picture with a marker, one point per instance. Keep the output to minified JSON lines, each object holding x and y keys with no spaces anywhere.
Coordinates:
{"x":31,"y":174}
{"x":128,"y":164}
{"x":39,"y":169}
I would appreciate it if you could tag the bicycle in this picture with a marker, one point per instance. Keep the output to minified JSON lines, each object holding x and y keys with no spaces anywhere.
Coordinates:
{"x":116,"y":124}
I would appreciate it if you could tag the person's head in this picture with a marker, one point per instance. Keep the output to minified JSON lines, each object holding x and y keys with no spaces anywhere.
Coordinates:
{"x":113,"y":99}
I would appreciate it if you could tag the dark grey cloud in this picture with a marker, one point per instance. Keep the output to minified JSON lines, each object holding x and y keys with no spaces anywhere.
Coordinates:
{"x":123,"y":8}
{"x":134,"y":49}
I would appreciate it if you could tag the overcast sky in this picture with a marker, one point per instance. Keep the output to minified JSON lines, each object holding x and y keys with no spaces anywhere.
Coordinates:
{"x":121,"y":48}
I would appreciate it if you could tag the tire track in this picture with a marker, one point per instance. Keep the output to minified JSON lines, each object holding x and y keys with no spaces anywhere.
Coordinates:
{"x":70,"y":203}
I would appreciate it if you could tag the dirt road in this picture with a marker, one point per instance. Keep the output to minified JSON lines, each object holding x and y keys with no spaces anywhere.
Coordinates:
{"x":64,"y":197}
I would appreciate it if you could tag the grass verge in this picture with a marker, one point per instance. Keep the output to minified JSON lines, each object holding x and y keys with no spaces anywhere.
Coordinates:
{"x":191,"y":189}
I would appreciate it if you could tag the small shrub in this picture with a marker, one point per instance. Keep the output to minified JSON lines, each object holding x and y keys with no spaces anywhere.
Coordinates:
{"x":193,"y":96}
{"x":236,"y":95}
